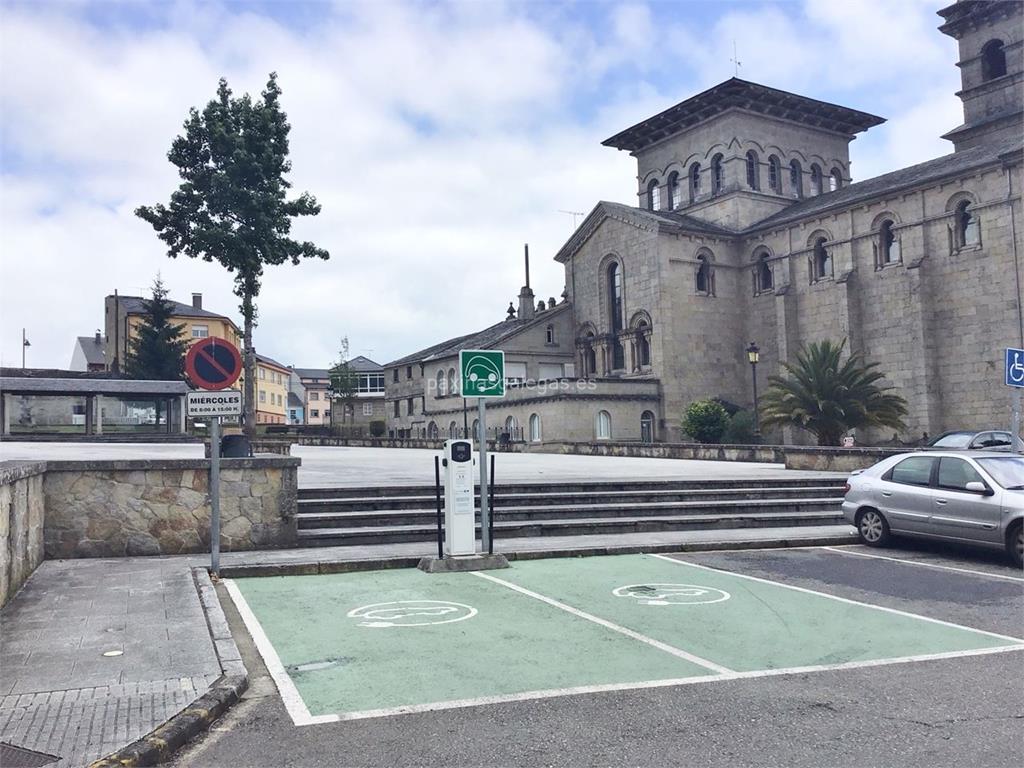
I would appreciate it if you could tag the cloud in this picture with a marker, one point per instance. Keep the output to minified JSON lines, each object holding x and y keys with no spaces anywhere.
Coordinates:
{"x":438,"y":137}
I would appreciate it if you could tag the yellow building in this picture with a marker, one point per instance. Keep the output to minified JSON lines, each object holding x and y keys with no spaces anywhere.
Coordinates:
{"x":271,"y":391}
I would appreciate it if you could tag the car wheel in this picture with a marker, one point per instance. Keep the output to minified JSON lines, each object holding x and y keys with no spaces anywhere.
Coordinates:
{"x":872,"y":528}
{"x":1015,"y":545}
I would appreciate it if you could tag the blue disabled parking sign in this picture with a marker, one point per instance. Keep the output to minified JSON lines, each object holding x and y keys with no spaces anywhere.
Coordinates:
{"x":1014,"y":367}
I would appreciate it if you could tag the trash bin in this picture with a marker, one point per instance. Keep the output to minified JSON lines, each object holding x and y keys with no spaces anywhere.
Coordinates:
{"x":235,"y":447}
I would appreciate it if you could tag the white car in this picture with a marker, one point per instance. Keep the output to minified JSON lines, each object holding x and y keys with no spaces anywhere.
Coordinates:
{"x":974,"y":497}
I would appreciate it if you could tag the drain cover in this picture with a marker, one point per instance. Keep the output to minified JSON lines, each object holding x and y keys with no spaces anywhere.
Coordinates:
{"x":19,"y":757}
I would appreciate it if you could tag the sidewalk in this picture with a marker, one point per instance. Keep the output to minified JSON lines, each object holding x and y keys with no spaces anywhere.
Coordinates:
{"x":62,"y":696}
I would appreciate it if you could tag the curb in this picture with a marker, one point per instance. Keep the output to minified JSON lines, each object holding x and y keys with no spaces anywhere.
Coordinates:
{"x":314,"y":567}
{"x":161,"y":743}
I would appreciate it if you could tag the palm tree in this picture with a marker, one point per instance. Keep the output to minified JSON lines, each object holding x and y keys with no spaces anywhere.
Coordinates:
{"x":827,"y":397}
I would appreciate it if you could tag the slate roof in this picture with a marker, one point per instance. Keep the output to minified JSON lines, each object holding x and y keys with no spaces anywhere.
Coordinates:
{"x":270,"y":361}
{"x":753,"y":97}
{"x":134,"y":305}
{"x":312,"y":373}
{"x":921,"y":174}
{"x":364,"y":365}
{"x":488,"y":338}
{"x":92,"y":349}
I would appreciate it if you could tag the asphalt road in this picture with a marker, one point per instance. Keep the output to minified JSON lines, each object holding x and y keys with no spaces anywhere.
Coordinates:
{"x":953,"y":712}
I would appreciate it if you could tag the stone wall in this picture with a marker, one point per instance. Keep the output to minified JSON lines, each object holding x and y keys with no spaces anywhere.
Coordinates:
{"x":21,"y":524}
{"x":161,"y":507}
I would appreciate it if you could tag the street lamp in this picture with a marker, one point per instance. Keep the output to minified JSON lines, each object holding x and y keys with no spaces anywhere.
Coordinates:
{"x":753,"y":355}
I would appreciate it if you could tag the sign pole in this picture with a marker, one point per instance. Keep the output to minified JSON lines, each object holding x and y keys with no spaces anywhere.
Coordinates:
{"x":485,"y":512}
{"x":215,"y":495}
{"x":1015,"y":430}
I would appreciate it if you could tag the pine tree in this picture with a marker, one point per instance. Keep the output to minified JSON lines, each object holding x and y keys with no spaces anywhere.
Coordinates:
{"x":158,"y":350}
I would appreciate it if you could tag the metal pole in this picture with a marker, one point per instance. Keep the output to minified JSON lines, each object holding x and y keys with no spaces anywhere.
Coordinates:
{"x":215,"y":495}
{"x":437,"y":492}
{"x":485,"y":512}
{"x":23,"y":349}
{"x":1015,"y":431}
{"x":757,"y":416}
{"x":490,"y":532}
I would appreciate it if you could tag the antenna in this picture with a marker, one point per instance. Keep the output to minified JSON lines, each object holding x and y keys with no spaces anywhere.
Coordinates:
{"x":575,"y":215}
{"x":736,"y":63}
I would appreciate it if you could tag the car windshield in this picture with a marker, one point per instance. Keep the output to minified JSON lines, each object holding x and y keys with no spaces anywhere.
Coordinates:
{"x":1008,"y":471}
{"x":956,"y":440}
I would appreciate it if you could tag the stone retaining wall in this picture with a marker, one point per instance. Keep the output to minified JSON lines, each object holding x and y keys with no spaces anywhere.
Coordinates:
{"x":161,"y":507}
{"x":21,"y":524}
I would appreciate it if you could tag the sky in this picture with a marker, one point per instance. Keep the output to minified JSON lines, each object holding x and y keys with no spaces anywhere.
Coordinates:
{"x":439,"y":138}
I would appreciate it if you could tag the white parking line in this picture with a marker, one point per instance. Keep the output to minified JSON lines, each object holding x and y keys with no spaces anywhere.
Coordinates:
{"x":609,"y":625}
{"x":923,"y":564}
{"x":840,"y":599}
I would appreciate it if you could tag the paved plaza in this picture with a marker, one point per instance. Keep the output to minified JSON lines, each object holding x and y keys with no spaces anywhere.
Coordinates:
{"x":337,"y":467}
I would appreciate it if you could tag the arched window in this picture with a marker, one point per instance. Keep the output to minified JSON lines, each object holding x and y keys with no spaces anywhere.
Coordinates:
{"x":647,"y":427}
{"x":968,"y":228}
{"x":764,"y":279}
{"x":476,"y":429}
{"x":603,"y":425}
{"x":534,"y":428}
{"x":815,"y":179}
{"x":442,"y":384}
{"x":694,"y":181}
{"x":888,"y":245}
{"x":549,"y":334}
{"x":675,"y":196}
{"x":835,"y":180}
{"x":775,"y":175}
{"x":993,"y":60}
{"x":432,"y":432}
{"x":653,"y":196}
{"x":796,"y":178}
{"x":452,"y":388}
{"x":717,"y":178}
{"x":643,"y":346}
{"x":511,"y":426}
{"x":821,"y":260}
{"x":753,"y":170}
{"x":705,"y":280}
{"x":615,"y":310}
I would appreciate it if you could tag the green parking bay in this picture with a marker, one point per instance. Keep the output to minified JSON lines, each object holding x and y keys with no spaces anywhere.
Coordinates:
{"x":373,"y":643}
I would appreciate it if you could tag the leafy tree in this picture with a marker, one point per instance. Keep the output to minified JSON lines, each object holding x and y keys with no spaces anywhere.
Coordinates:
{"x":344,"y":382}
{"x":157,"y":352}
{"x":232,"y":204}
{"x":705,"y":421}
{"x":827,"y":397}
{"x":740,"y":430}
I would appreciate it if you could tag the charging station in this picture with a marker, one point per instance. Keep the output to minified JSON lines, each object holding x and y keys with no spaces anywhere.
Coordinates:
{"x":459,"y":506}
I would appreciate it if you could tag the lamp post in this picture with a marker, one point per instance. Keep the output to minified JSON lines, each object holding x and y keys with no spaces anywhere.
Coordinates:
{"x":753,"y":355}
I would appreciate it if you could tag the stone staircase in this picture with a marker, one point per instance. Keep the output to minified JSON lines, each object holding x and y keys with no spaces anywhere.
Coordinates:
{"x":366,"y":516}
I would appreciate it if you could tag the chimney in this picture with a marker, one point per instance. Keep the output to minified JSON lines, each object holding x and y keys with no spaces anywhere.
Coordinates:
{"x":526,"y":308}
{"x":99,"y":339}
{"x":197,"y":301}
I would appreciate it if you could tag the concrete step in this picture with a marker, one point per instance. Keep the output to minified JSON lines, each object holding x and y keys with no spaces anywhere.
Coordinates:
{"x":424,"y":516}
{"x":511,"y":529}
{"x":504,"y":499}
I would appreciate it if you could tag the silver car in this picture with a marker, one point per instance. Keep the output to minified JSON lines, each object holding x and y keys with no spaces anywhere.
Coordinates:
{"x":975,"y":497}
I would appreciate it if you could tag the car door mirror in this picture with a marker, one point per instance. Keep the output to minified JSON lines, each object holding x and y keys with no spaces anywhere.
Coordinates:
{"x":976,"y":487}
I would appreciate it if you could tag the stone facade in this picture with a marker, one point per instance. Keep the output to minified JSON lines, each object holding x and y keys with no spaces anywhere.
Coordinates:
{"x":21,"y":524}
{"x":126,"y":508}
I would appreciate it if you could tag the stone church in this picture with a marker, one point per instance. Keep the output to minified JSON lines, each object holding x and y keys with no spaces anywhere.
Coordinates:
{"x":749,"y":227}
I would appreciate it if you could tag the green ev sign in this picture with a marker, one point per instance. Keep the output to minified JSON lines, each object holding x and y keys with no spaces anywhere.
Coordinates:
{"x":482,"y":372}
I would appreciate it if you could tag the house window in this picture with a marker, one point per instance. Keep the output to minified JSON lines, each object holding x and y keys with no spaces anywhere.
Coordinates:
{"x":327,"y":414}
{"x":968,"y":227}
{"x":453,"y":389}
{"x":888,"y":245}
{"x":200,"y":331}
{"x":549,"y":335}
{"x":647,"y":427}
{"x":653,"y":196}
{"x":263,"y":373}
{"x":314,"y":395}
{"x":367,"y":409}
{"x":432,"y":430}
{"x":603,"y":425}
{"x":753,"y":170}
{"x":694,"y":181}
{"x":993,"y":60}
{"x":796,"y":178}
{"x":411,"y":405}
{"x":822,"y":261}
{"x":315,"y":413}
{"x":705,"y":279}
{"x":764,"y":280}
{"x":534,"y":428}
{"x":442,"y":383}
{"x":675,"y":196}
{"x":815,"y":179}
{"x":835,"y":180}
{"x":643,"y":347}
{"x":408,"y":372}
{"x":717,"y":177}
{"x":615,"y":313}
{"x":775,"y":175}
{"x":397,"y":409}
{"x":394,"y":376}
{"x":511,"y":426}
{"x":515,"y":371}
{"x":263,"y":396}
